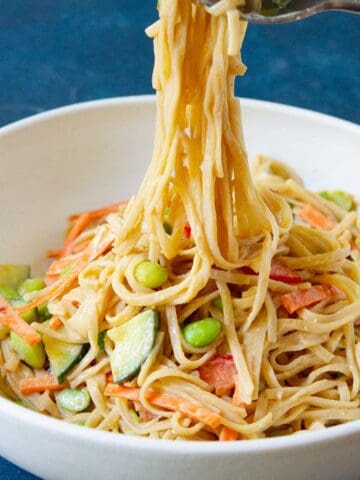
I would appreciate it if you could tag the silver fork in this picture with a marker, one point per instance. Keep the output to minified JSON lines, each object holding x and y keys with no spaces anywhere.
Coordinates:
{"x":283,"y":11}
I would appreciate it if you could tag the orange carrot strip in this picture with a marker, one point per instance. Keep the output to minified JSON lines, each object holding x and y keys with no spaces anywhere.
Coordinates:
{"x":168,"y":402}
{"x":10,"y":318}
{"x":113,"y":390}
{"x":227,"y":434}
{"x":80,"y":247}
{"x":79,"y":226}
{"x":101,"y":212}
{"x":100,"y":243}
{"x":55,"y":323}
{"x":31,"y":385}
{"x":109,"y":378}
{"x":237,"y":399}
{"x":315,"y":218}
{"x":58,"y":266}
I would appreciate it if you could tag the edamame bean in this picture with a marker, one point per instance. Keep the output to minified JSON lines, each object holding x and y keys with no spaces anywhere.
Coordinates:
{"x":202,"y":333}
{"x":150,"y":274}
{"x":33,"y":355}
{"x":31,"y":285}
{"x":73,"y":400}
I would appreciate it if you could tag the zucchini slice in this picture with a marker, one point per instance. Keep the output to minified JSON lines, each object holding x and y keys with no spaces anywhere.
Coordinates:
{"x":12,"y":276}
{"x":134,"y":341}
{"x":63,"y":356}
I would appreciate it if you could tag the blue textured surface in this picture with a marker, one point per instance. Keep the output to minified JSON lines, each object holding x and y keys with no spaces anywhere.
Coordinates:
{"x":55,"y":53}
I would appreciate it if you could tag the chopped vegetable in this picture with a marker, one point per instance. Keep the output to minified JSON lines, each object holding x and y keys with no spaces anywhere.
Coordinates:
{"x":8,"y":293}
{"x":134,"y":415}
{"x":11,"y":319}
{"x":43,"y":312}
{"x":134,"y":341}
{"x":41,"y":384}
{"x":99,"y":245}
{"x":202,"y":333}
{"x":55,"y":323}
{"x":29,"y":316}
{"x":63,"y":356}
{"x":315,"y":218}
{"x":31,"y":285}
{"x":278,"y":272}
{"x":281,"y":273}
{"x":308,"y":297}
{"x":150,"y":274}
{"x":187,"y":230}
{"x":101,"y":340}
{"x":12,"y":276}
{"x":100,"y":213}
{"x":341,"y":199}
{"x":219,"y":372}
{"x":227,"y":434}
{"x":167,"y":402}
{"x":33,"y":355}
{"x":167,"y":227}
{"x":73,"y":400}
{"x":217,"y":303}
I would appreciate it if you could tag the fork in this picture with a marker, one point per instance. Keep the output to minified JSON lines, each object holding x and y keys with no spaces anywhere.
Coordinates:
{"x":283,"y":11}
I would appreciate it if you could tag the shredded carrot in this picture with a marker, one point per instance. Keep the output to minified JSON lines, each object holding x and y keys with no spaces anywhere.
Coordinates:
{"x":227,"y":434}
{"x":80,"y":247}
{"x":100,"y":213}
{"x":58,"y":266}
{"x":41,"y":384}
{"x":237,"y":399}
{"x":80,"y":224}
{"x":11,"y":319}
{"x":55,"y":323}
{"x":315,"y":218}
{"x":167,"y":402}
{"x":100,"y":243}
{"x":109,"y":378}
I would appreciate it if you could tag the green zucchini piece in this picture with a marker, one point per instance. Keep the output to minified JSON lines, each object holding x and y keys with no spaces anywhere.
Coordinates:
{"x":33,"y":355}
{"x":44,"y":313}
{"x":134,"y":341}
{"x":63,"y":356}
{"x":101,"y":340}
{"x":73,"y":400}
{"x":8,"y":293}
{"x":31,"y":285}
{"x":30,"y":316}
{"x":13,"y":276}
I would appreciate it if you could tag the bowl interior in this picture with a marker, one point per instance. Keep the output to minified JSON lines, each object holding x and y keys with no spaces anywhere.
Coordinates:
{"x":89,"y":155}
{"x":93,"y":154}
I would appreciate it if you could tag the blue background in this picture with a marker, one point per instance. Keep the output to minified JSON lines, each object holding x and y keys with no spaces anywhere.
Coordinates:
{"x":55,"y":53}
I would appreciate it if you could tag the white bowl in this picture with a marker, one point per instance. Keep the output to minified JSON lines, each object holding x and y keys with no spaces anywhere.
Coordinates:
{"x":96,"y":153}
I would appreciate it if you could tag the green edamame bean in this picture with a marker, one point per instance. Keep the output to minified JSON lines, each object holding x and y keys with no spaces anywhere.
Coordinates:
{"x":31,"y":285}
{"x":73,"y":400}
{"x":33,"y":355}
{"x":217,"y":302}
{"x":150,"y":274}
{"x":202,"y":333}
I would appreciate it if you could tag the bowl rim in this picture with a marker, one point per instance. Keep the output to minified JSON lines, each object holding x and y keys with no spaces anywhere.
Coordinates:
{"x":66,"y":430}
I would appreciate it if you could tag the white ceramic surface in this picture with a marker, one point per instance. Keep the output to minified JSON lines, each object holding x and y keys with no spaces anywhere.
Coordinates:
{"x":96,"y":153}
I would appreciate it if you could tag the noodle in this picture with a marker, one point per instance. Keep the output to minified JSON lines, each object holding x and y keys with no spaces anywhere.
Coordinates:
{"x":220,"y":233}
